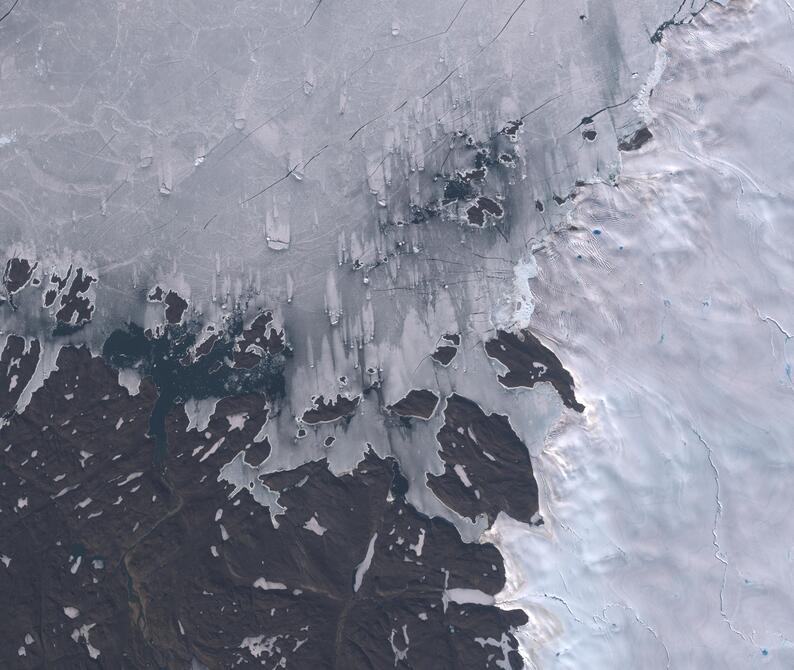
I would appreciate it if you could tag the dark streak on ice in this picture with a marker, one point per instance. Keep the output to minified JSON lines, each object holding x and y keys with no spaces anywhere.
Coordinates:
{"x":591,"y":117}
{"x":10,"y":9}
{"x":314,"y":11}
{"x":658,"y":34}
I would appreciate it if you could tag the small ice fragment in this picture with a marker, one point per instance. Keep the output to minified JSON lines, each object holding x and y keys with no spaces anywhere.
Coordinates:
{"x":361,"y":568}
{"x":314,"y":526}
{"x":265,"y":585}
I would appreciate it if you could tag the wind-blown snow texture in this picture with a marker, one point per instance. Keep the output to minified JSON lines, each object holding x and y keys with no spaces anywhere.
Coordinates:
{"x":669,"y":534}
{"x":308,"y":308}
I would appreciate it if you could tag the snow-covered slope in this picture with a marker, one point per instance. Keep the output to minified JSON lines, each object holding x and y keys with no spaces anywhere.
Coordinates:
{"x":670,"y":520}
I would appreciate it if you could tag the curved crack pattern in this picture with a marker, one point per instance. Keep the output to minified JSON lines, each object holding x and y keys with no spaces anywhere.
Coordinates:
{"x":718,"y":553}
{"x":640,"y":621}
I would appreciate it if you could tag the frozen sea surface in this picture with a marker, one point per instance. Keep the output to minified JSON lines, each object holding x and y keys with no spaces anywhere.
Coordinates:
{"x":245,"y":151}
{"x":395,"y":183}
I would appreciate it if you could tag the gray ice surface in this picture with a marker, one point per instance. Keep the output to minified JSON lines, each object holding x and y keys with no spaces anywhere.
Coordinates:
{"x":247,"y":154}
{"x":253,"y":155}
{"x":139,"y":139}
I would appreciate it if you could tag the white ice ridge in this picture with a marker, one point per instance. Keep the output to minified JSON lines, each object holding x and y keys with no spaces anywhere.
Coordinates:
{"x":262,"y":583}
{"x":45,"y":366}
{"x":361,"y":568}
{"x":667,"y":511}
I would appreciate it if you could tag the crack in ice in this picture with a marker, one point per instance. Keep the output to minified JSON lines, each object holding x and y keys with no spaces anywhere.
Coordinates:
{"x":641,"y":621}
{"x":718,"y":554}
{"x":769,"y":319}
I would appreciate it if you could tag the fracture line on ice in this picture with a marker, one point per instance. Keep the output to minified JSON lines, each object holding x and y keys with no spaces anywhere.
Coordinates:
{"x":550,"y":596}
{"x":785,"y":334}
{"x":769,"y":319}
{"x":715,"y":536}
{"x":640,"y":621}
